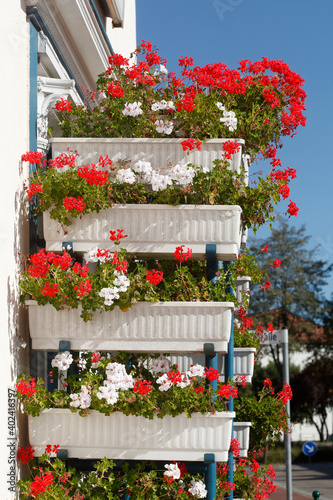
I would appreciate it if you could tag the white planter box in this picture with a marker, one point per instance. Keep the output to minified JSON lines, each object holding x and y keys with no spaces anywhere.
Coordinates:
{"x":146,"y":327}
{"x":242,"y":286}
{"x":134,"y":438}
{"x":153,"y":230}
{"x":243,"y":362}
{"x":159,"y":152}
{"x":241,"y":431}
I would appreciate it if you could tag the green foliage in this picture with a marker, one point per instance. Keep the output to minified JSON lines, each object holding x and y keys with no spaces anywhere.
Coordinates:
{"x":220,"y":186}
{"x":143,"y":480}
{"x":267,"y":414}
{"x":189,"y":395}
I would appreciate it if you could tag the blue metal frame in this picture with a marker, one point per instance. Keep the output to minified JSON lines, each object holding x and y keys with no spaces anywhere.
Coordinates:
{"x":229,"y":373}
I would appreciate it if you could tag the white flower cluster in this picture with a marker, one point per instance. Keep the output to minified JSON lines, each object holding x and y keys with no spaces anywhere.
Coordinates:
{"x":126,"y":175}
{"x":198,"y":489}
{"x":62,"y":361}
{"x":164,"y":127}
{"x":162,"y":70}
{"x":96,"y":254}
{"x":156,"y":106}
{"x":172,"y":471}
{"x":182,"y":174}
{"x":229,"y":117}
{"x":166,"y":383}
{"x":132,"y":109}
{"x":81,"y":400}
{"x":196,"y":371}
{"x":117,"y":380}
{"x":159,"y":365}
{"x":121,"y":284}
{"x":142,"y":171}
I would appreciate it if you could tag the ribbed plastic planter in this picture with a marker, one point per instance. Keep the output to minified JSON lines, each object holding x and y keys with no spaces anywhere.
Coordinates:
{"x":129,"y":437}
{"x":146,"y":327}
{"x":241,"y":432}
{"x":154,"y":230}
{"x":242,"y":286}
{"x":159,"y":152}
{"x":243,"y":362}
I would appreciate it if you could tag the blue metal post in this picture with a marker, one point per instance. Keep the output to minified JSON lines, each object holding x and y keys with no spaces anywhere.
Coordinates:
{"x":211,"y":362}
{"x":229,"y":373}
{"x":210,"y":475}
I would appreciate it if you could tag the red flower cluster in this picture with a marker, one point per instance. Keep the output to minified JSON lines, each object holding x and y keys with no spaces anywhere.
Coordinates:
{"x":154,"y":277}
{"x":114,"y":89}
{"x":227,"y":391}
{"x":234,"y":447}
{"x":180,"y":255}
{"x":93,"y":176}
{"x":63,"y":160}
{"x":104,"y":161}
{"x":76,"y":204}
{"x":212,"y":374}
{"x":33,"y":189}
{"x":64,"y":105}
{"x":32,"y":157}
{"x":25,"y":454}
{"x":50,"y":289}
{"x":276,"y":263}
{"x":40,"y":262}
{"x":80,"y":270}
{"x":49,"y":449}
{"x":117,"y":235}
{"x":83,"y":289}
{"x":26,"y":388}
{"x":230,"y":148}
{"x":121,"y":265}
{"x":142,"y":387}
{"x":41,"y":483}
{"x":292,"y":209}
{"x":190,"y":144}
{"x":285,"y":394}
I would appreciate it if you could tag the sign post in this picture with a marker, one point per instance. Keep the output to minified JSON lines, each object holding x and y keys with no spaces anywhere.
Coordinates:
{"x":309,"y":449}
{"x":274,"y":338}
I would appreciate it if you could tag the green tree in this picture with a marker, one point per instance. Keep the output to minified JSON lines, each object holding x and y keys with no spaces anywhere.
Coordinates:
{"x":313,"y":394}
{"x":295,"y":298}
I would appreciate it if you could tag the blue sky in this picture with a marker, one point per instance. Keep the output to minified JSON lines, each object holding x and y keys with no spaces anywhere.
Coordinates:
{"x":299,"y":32}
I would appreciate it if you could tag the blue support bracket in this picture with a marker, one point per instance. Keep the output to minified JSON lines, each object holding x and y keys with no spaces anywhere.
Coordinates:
{"x":210,"y":475}
{"x":64,"y":345}
{"x":209,"y":349}
{"x":211,"y":262}
{"x":229,"y":373}
{"x":62,"y":454}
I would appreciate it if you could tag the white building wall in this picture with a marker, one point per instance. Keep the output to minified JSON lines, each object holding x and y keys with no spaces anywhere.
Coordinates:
{"x":123,"y":40}
{"x":14,"y":137}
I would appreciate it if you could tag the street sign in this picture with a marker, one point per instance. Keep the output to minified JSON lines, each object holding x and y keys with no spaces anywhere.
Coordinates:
{"x":309,"y":448}
{"x":271,"y":338}
{"x":275,"y":337}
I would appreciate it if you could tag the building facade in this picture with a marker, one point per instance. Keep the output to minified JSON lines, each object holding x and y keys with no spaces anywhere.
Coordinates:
{"x":50,"y":49}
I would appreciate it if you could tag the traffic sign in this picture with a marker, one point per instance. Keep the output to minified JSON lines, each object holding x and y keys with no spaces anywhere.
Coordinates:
{"x":309,"y":448}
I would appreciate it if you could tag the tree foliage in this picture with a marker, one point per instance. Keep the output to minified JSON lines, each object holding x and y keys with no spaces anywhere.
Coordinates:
{"x":295,"y":298}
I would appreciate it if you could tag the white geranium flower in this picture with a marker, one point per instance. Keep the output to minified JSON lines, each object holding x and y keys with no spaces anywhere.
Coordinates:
{"x":132,"y":109}
{"x":62,"y":361}
{"x":109,"y":392}
{"x":160,"y":364}
{"x":196,"y":371}
{"x":81,"y":400}
{"x":172,"y":471}
{"x":126,"y":175}
{"x":198,"y":489}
